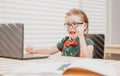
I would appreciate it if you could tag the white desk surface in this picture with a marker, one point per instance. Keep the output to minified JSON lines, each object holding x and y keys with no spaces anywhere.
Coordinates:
{"x":7,"y":64}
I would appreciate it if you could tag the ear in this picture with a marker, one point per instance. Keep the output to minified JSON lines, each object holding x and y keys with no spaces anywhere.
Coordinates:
{"x":85,"y":26}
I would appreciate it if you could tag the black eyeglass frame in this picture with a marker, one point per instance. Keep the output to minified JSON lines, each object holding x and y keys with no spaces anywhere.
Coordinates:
{"x":73,"y":24}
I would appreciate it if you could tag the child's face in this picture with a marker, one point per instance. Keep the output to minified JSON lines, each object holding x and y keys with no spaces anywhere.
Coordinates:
{"x":73,"y":25}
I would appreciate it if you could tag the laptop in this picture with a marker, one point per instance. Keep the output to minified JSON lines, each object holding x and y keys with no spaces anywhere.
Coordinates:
{"x":12,"y":42}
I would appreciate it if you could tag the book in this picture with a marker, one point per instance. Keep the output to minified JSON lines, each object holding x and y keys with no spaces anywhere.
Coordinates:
{"x":85,"y":66}
{"x":90,"y":67}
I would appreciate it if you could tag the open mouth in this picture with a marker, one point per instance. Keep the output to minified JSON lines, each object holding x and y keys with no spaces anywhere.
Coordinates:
{"x":72,"y":32}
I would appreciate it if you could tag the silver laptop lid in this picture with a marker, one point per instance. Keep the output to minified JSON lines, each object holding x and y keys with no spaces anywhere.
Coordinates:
{"x":11,"y":40}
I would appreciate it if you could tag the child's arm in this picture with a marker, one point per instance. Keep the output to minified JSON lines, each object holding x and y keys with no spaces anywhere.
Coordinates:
{"x":50,"y":51}
{"x":85,"y":49}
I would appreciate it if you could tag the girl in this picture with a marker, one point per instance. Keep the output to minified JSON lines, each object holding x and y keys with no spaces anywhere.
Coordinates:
{"x":76,"y":44}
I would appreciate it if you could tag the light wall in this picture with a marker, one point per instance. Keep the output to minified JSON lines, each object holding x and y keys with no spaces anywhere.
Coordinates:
{"x":115,"y":22}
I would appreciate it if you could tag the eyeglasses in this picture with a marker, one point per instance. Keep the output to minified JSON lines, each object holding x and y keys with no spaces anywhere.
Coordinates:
{"x":74,"y":25}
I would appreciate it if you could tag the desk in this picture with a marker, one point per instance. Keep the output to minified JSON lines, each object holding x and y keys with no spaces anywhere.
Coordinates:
{"x":114,"y":49}
{"x":111,"y":51}
{"x":7,"y":64}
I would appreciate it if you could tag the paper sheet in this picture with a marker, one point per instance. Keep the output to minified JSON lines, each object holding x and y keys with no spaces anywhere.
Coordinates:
{"x":39,"y":68}
{"x":53,"y":67}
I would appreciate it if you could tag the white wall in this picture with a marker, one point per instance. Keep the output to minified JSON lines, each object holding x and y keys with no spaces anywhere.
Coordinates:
{"x":115,"y":22}
{"x":51,"y":13}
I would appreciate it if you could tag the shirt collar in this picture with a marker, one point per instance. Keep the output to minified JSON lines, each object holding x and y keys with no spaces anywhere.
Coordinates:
{"x":70,"y":39}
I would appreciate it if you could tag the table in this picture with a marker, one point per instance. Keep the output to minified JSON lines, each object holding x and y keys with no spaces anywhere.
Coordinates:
{"x":112,"y":52}
{"x":7,"y":64}
{"x":114,"y":49}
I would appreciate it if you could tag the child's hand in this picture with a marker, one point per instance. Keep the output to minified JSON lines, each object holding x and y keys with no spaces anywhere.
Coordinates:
{"x":29,"y":49}
{"x":80,"y":30}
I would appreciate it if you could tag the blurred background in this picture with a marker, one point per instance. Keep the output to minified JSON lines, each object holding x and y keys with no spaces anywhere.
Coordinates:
{"x":44,"y":19}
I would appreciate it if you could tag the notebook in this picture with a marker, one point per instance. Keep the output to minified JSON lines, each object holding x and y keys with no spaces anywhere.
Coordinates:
{"x":12,"y":42}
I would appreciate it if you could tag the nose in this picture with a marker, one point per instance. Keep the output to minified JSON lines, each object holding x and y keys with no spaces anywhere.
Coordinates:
{"x":71,"y":27}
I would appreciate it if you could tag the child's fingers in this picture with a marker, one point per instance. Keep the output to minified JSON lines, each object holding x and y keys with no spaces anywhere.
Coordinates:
{"x":80,"y":32}
{"x":29,"y":48}
{"x":29,"y":51}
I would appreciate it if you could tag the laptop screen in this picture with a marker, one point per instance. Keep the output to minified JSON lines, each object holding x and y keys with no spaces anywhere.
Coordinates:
{"x":11,"y":40}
